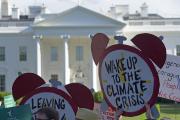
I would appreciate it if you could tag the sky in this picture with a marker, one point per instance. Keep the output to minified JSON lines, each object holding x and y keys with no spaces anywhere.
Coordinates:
{"x":166,"y":8}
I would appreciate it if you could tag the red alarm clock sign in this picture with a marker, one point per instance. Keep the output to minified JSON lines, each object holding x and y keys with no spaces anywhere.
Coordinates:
{"x":66,"y":100}
{"x":128,"y":77}
{"x":51,"y":97}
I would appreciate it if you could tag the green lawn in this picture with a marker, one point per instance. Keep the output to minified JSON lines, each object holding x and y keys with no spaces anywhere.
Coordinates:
{"x":171,"y":111}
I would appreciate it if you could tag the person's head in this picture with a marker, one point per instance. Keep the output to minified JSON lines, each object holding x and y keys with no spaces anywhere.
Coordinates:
{"x":47,"y":114}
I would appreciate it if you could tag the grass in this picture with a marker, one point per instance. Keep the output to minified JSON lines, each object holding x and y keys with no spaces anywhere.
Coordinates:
{"x":171,"y":111}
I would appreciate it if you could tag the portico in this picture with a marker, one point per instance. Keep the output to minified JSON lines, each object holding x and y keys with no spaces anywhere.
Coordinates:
{"x":67,"y":35}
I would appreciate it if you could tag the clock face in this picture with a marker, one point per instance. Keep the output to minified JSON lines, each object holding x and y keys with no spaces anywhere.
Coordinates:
{"x":51,"y":97}
{"x":128,"y":79}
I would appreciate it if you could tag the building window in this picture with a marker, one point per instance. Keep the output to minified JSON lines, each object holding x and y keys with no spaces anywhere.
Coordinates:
{"x":54,"y":77}
{"x":79,"y":53}
{"x":157,"y":23}
{"x":2,"y":82}
{"x":54,"y":53}
{"x":176,"y":23}
{"x":22,"y":53}
{"x":135,"y":23}
{"x":2,"y":53}
{"x":178,"y":50}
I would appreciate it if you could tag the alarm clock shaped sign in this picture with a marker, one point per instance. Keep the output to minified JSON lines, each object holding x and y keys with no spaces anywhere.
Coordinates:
{"x":65,"y":99}
{"x":127,"y":75}
{"x":54,"y":98}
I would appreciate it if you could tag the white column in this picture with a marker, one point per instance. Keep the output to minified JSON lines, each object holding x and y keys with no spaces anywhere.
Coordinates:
{"x":174,"y":51}
{"x":94,"y":75}
{"x":94,"y":70}
{"x":66,"y":58}
{"x":38,"y":39}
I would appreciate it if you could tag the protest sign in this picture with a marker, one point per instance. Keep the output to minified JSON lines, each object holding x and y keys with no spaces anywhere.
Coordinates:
{"x":51,"y":97}
{"x":169,"y":77}
{"x":128,"y":79}
{"x":65,"y":99}
{"x":22,"y":112}
{"x":107,"y":114}
{"x":9,"y":101}
{"x":127,"y":74}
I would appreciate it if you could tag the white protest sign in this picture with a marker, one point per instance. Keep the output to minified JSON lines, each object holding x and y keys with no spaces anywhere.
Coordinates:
{"x":169,"y":77}
{"x":9,"y":101}
{"x":128,"y":79}
{"x":51,"y":97}
{"x":108,"y":114}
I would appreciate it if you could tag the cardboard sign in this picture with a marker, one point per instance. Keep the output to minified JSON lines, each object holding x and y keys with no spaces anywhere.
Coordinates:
{"x":169,"y":77}
{"x":22,"y":112}
{"x":108,"y":114}
{"x":128,"y":79}
{"x":9,"y":101}
{"x":51,"y":97}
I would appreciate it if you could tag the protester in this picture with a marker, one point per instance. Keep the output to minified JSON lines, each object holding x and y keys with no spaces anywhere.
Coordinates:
{"x":47,"y":114}
{"x":85,"y":114}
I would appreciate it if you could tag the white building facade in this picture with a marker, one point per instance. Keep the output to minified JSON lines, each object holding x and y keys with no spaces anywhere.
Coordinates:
{"x":168,"y":28}
{"x":145,"y":22}
{"x":58,"y":46}
{"x":54,"y":46}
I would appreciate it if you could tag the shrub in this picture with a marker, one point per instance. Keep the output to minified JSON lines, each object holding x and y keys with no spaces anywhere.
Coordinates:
{"x":98,"y":97}
{"x":2,"y":94}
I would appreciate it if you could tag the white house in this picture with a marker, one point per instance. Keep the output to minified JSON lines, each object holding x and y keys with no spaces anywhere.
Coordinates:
{"x":145,"y":22}
{"x":55,"y":46}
